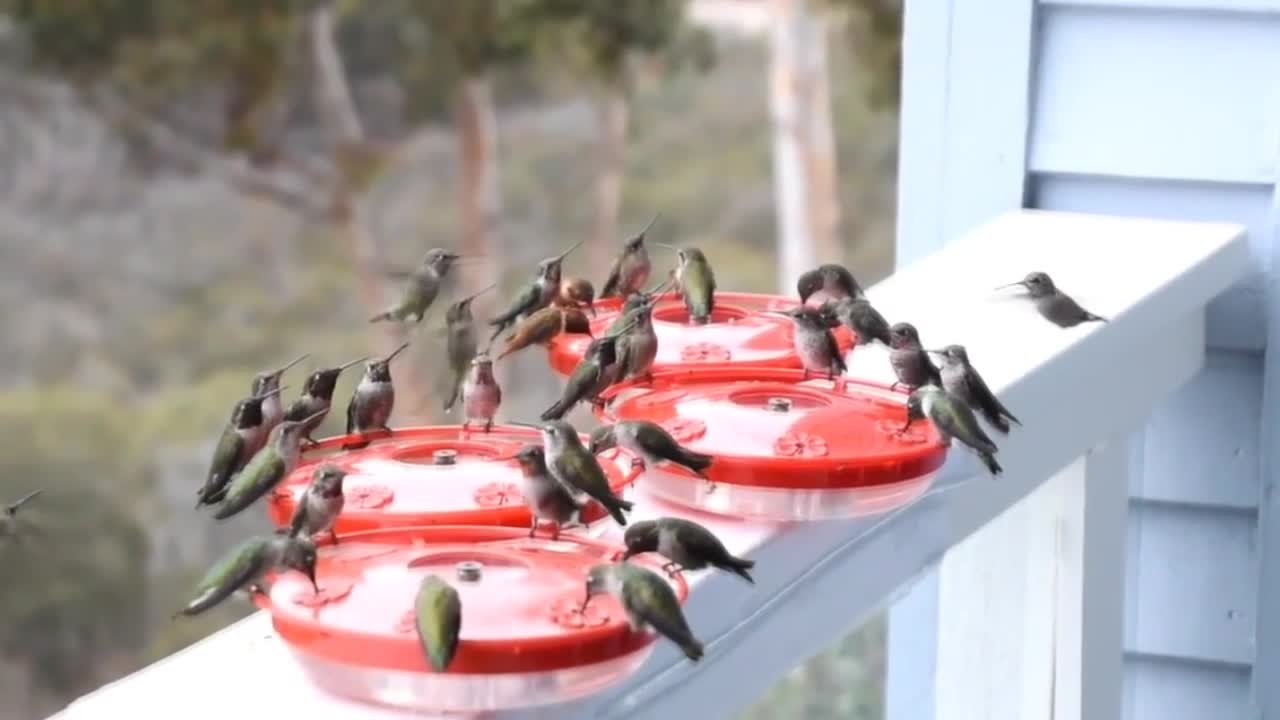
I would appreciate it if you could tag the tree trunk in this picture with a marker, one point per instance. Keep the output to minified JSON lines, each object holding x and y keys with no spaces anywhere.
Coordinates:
{"x":824,"y":195}
{"x":479,"y":193}
{"x":612,"y":112}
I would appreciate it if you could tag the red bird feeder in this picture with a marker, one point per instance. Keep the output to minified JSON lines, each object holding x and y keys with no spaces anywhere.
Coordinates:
{"x":429,"y":476}
{"x":741,"y":333}
{"x":785,"y":448}
{"x":524,"y":639}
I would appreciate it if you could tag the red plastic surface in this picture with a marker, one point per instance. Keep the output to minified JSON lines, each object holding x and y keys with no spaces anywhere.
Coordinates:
{"x":834,"y":436}
{"x":741,"y":334}
{"x":394,"y":482}
{"x":521,"y":615}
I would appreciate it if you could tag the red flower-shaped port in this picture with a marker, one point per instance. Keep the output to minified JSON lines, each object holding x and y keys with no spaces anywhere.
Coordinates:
{"x":567,"y":612}
{"x":705,"y":352}
{"x":685,"y":429}
{"x":496,"y":494}
{"x":407,"y":624}
{"x":800,"y":443}
{"x":331,"y":591}
{"x":893,"y":428}
{"x":368,"y":497}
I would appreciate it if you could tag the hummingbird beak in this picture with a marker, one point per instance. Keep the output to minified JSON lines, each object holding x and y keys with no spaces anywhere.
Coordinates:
{"x":626,"y":555}
{"x":1020,"y":283}
{"x":565,"y":254}
{"x":269,"y":393}
{"x":394,"y":353}
{"x":782,"y":313}
{"x":314,"y":416}
{"x":939,"y":353}
{"x":517,"y":423}
{"x":646,"y":228}
{"x":291,"y":363}
{"x":665,"y":246}
{"x":353,"y":362}
{"x":311,"y":575}
{"x":478,"y":293}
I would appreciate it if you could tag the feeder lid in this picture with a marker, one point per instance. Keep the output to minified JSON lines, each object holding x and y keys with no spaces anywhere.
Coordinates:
{"x":428,"y":476}
{"x":741,"y":333}
{"x":769,"y":427}
{"x":521,"y":600}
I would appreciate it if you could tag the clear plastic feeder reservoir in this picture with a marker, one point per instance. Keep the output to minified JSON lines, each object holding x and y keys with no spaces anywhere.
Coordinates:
{"x":524,"y":639}
{"x":439,"y":475}
{"x":742,"y":333}
{"x":784,"y":448}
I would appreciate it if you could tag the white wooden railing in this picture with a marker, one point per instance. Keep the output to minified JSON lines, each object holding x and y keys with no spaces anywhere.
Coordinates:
{"x":1031,"y":564}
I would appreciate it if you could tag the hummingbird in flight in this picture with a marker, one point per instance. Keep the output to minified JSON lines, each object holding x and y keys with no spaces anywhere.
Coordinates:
{"x":546,"y":497}
{"x":317,"y":395}
{"x":9,"y":529}
{"x":962,"y":381}
{"x":437,"y":617}
{"x":910,"y":361}
{"x":266,"y":469}
{"x":481,"y":394}
{"x":1054,"y":305}
{"x":421,"y":287}
{"x":695,"y":282}
{"x":535,"y":296}
{"x":272,"y":406}
{"x":321,"y":503}
{"x":460,"y":343}
{"x":648,"y":601}
{"x":241,"y":439}
{"x":373,"y":400}
{"x":953,"y":419}
{"x":814,"y":344}
{"x":833,"y":280}
{"x":630,"y":271}
{"x":246,"y":567}
{"x":578,"y":470}
{"x":685,"y":544}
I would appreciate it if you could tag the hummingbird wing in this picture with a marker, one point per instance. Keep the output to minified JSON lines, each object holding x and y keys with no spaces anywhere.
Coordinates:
{"x":699,"y":288}
{"x":646,"y":596}
{"x":437,"y":616}
{"x":987,"y":402}
{"x":524,"y":302}
{"x":701,"y":543}
{"x":353,"y":408}
{"x":263,"y":473}
{"x":615,"y":276}
{"x":833,"y":350}
{"x":227,"y":461}
{"x":1064,"y":311}
{"x":845,"y":280}
{"x":659,"y":443}
{"x":582,"y":380}
{"x":956,"y":419}
{"x":233,"y":571}
{"x":867,"y":322}
{"x":299,"y":409}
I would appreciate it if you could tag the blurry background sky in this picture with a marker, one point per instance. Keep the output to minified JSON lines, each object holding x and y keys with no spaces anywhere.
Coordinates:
{"x":191,"y":192}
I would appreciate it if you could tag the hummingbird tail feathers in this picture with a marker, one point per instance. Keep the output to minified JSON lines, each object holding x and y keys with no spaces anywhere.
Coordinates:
{"x":1090,"y":317}
{"x":692,"y":650}
{"x":993,"y":467}
{"x":556,"y":411}
{"x":616,"y":508}
{"x":453,"y":394}
{"x":695,"y":461}
{"x":739,"y":567}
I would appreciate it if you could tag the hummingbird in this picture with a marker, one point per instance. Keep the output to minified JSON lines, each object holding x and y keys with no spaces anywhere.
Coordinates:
{"x":241,"y":439}
{"x":546,"y":497}
{"x":911,"y":364}
{"x":578,"y":470}
{"x":246,"y":567}
{"x":481,"y":395}
{"x":599,"y":368}
{"x":630,"y":306}
{"x":373,"y":400}
{"x":321,"y":504}
{"x":696,"y":282}
{"x":272,"y":406}
{"x":834,"y":281}
{"x":631,"y":269}
{"x":814,"y":344}
{"x":964,"y":383}
{"x":421,"y":289}
{"x":648,"y":601}
{"x":9,"y":515}
{"x":267,"y":468}
{"x":461,"y":342}
{"x":540,"y":327}
{"x":857,"y":314}
{"x":437,"y":616}
{"x":535,"y":296}
{"x":649,"y":442}
{"x":953,"y":419}
{"x":1054,"y":305}
{"x":317,"y":395}
{"x":638,"y":344}
{"x":578,"y":293}
{"x":688,"y":546}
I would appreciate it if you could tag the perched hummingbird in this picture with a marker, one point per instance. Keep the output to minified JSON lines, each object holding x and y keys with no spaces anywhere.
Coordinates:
{"x":696,"y":283}
{"x":834,"y":281}
{"x":266,"y":469}
{"x":1054,"y":305}
{"x":953,"y":419}
{"x":910,"y":362}
{"x":373,"y":400}
{"x":578,"y":293}
{"x":321,"y":504}
{"x":317,"y":395}
{"x":865,"y":321}
{"x":599,"y":368}
{"x":578,"y":470}
{"x":963,"y":382}
{"x":421,"y":289}
{"x":437,"y":616}
{"x":461,"y":342}
{"x":246,"y":566}
{"x":481,"y":395}
{"x":638,"y":344}
{"x":814,"y":343}
{"x":648,"y":601}
{"x":649,"y":442}
{"x":273,"y":406}
{"x":535,"y":296}
{"x":546,"y":497}
{"x":241,"y":439}
{"x":630,"y":307}
{"x":630,"y":271}
{"x":540,"y":327}
{"x":688,"y":545}
{"x":9,"y":516}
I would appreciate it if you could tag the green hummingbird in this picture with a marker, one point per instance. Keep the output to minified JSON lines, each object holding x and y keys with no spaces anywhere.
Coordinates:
{"x":266,"y":469}
{"x":696,"y":283}
{"x":437,"y":615}
{"x":272,"y":408}
{"x":460,"y":343}
{"x":536,"y":295}
{"x":370,"y":406}
{"x":321,"y":504}
{"x":953,"y":418}
{"x":631,"y":270}
{"x":578,"y":470}
{"x":648,"y":601}
{"x":317,"y":396}
{"x":546,"y":497}
{"x":246,"y":566}
{"x":688,"y":546}
{"x":241,"y":439}
{"x":596,"y":371}
{"x":9,"y":516}
{"x":421,"y":289}
{"x":638,"y":344}
{"x":650,"y":444}
{"x":633,"y":303}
